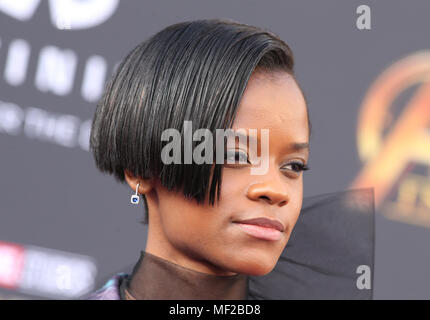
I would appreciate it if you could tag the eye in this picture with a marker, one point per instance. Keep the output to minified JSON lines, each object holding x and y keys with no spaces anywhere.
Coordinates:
{"x":295,"y":167}
{"x":236,"y":157}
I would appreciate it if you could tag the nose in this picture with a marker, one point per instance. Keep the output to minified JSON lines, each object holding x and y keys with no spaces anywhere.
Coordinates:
{"x":271,"y":191}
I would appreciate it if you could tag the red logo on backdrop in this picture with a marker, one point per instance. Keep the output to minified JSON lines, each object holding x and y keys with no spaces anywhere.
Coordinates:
{"x":11,"y":264}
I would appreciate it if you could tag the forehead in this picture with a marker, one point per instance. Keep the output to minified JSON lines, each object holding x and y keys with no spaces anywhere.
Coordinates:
{"x":275,"y":102}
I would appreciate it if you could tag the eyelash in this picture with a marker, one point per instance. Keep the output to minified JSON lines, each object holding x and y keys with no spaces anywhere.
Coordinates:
{"x":298,"y":165}
{"x":236,"y":157}
{"x":301,"y":166}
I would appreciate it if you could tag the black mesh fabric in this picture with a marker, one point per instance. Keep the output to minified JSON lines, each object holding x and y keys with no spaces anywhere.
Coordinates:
{"x":154,"y":278}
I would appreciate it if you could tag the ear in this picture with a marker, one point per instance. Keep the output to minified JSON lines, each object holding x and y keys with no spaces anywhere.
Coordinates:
{"x":145,"y":185}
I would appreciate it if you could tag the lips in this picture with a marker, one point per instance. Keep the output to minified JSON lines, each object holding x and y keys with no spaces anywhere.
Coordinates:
{"x":264,"y":222}
{"x":262,"y":228}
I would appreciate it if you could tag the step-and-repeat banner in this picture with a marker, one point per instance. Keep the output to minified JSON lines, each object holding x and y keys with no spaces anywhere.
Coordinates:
{"x":364,"y":67}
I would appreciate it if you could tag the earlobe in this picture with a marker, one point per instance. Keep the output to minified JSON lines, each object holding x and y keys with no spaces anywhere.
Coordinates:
{"x":145,"y":185}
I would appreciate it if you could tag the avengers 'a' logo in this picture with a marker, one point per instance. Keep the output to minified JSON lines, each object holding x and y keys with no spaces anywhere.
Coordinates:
{"x":387,"y":149}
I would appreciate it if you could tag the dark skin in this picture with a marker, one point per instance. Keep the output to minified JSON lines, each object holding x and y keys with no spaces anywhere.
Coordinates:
{"x":206,"y":238}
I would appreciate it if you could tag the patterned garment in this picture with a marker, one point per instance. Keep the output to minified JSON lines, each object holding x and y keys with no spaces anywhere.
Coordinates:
{"x":110,"y":291}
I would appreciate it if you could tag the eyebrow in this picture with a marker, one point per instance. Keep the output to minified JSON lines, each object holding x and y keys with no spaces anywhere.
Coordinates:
{"x":240,"y":134}
{"x":295,"y":146}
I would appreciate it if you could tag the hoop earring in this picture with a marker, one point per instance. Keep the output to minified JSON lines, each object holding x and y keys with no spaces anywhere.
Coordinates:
{"x":135,"y":197}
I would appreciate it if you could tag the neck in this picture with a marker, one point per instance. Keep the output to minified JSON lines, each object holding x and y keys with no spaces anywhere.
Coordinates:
{"x":155,"y":278}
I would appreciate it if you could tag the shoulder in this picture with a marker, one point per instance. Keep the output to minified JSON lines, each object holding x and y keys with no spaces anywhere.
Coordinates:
{"x":110,"y":290}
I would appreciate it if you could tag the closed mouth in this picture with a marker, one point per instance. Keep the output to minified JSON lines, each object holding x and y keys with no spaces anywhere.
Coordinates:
{"x":264,"y":222}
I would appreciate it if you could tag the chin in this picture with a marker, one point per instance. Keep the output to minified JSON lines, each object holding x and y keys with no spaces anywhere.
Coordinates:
{"x":257,"y":269}
{"x":255,"y":265}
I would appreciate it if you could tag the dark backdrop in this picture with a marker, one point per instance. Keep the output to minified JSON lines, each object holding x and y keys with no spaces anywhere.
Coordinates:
{"x":52,"y":196}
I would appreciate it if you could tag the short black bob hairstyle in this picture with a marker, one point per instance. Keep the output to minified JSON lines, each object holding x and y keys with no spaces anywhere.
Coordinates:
{"x":193,"y":70}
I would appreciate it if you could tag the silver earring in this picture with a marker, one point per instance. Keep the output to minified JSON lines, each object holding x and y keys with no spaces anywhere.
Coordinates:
{"x":135,"y":197}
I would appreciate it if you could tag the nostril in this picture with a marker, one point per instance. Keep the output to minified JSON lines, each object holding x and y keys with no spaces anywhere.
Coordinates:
{"x":283,"y":203}
{"x":265,"y":198}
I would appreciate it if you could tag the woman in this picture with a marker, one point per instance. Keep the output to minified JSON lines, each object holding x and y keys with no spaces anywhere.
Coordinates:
{"x":211,"y":224}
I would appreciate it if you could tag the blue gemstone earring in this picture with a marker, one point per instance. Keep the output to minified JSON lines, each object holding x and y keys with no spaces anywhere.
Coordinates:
{"x":135,"y":197}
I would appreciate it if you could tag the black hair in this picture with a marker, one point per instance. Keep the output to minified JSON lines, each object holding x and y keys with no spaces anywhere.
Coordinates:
{"x":193,"y":70}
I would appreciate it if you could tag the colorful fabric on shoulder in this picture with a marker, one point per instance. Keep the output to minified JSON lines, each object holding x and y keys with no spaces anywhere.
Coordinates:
{"x":111,"y":289}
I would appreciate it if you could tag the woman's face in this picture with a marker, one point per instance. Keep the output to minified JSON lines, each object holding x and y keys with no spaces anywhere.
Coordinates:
{"x":210,"y":239}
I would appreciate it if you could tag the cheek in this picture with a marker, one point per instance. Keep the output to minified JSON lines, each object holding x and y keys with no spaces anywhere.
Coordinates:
{"x":187,"y":224}
{"x":235,"y":182}
{"x":296,"y":201}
